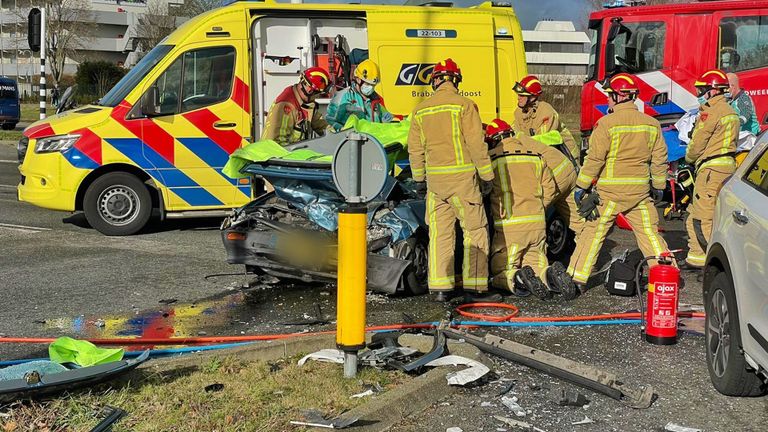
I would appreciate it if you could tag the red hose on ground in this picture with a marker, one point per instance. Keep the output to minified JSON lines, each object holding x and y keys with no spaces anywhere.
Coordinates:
{"x":253,"y":338}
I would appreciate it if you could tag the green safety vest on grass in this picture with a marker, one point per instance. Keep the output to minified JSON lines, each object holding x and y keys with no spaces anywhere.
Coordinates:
{"x":82,"y":353}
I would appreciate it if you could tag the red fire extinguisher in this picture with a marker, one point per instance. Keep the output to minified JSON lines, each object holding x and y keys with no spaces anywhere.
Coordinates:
{"x":660,"y":316}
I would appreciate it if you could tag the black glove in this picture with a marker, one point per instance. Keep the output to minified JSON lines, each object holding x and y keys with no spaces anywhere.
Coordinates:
{"x":588,"y":205}
{"x":421,"y":189}
{"x":578,"y":195}
{"x":657,"y":194}
{"x":486,"y":187}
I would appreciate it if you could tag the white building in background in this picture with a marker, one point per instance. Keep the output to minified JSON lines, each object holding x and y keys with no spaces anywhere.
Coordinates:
{"x":114,"y":23}
{"x":556,"y":52}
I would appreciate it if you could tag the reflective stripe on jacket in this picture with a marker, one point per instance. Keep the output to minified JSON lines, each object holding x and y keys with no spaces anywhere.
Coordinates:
{"x":627,"y":154}
{"x":713,"y":143}
{"x":446,"y":144}
{"x":523,"y":186}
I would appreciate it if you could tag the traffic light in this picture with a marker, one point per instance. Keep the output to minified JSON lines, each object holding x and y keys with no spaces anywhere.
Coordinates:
{"x":34,"y":29}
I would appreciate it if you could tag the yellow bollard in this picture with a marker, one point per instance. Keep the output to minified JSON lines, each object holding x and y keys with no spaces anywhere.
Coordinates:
{"x":351,"y":276}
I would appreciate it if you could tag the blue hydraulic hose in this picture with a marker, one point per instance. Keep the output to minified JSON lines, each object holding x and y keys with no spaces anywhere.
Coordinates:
{"x":194,"y":349}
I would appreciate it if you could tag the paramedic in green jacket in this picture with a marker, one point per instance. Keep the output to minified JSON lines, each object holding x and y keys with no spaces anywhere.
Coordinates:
{"x":743,"y":105}
{"x":359,"y":99}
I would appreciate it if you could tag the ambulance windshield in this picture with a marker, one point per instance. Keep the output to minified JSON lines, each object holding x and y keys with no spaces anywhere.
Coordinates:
{"x":134,"y":76}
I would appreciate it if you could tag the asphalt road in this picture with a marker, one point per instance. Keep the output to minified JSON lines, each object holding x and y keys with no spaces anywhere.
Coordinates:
{"x":60,"y":277}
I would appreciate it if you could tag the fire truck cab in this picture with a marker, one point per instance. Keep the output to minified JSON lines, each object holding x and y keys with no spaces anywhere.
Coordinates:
{"x":669,"y":46}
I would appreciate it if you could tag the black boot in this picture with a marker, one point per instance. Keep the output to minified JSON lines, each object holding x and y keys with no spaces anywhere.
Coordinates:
{"x":484,"y":297}
{"x":560,"y":281}
{"x":528,"y":280}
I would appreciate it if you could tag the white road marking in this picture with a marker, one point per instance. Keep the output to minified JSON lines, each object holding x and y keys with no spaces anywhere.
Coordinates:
{"x":4,"y":186}
{"x":23,"y":228}
{"x":15,"y":162}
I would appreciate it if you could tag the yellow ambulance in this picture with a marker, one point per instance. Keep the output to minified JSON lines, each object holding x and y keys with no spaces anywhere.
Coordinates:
{"x":160,"y":138}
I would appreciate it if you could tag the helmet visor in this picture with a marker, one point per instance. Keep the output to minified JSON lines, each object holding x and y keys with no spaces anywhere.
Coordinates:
{"x":521,"y":90}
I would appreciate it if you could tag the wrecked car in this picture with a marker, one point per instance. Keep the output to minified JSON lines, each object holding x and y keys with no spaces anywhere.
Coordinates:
{"x":290,"y":233}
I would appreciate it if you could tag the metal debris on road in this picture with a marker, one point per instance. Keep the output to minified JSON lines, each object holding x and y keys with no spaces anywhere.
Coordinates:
{"x":507,"y":388}
{"x":315,"y":318}
{"x":314,"y":418}
{"x":324,"y":355}
{"x":474,"y":371}
{"x":581,"y":374}
{"x":585,"y":421}
{"x":511,"y":403}
{"x":518,"y":424}
{"x":672,"y":427}
{"x":571,"y":398}
{"x":168,"y":301}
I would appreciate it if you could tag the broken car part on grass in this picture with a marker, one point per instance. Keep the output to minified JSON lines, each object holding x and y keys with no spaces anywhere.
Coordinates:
{"x":37,"y":385}
{"x":578,"y":373}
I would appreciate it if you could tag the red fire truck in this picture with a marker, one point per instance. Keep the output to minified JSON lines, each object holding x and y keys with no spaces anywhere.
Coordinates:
{"x":668,"y":46}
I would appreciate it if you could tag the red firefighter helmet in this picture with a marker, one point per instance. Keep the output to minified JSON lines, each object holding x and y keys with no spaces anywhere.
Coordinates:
{"x":623,"y":84}
{"x":496,"y":128}
{"x":317,"y":78}
{"x":713,"y":79}
{"x":446,"y":67}
{"x":528,"y":86}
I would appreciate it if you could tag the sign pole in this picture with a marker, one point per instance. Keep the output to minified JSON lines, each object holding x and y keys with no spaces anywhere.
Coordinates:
{"x":352,"y":267}
{"x":43,"y":46}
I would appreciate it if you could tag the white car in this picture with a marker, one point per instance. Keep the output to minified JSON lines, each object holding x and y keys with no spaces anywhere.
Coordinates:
{"x":736,"y":280}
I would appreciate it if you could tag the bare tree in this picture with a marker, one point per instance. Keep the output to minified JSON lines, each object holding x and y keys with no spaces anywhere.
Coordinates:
{"x":69,"y":28}
{"x":196,"y":7}
{"x":161,"y":18}
{"x":154,"y":25}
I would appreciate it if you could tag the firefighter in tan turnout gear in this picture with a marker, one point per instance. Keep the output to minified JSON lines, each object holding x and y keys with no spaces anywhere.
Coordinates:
{"x":446,"y":148}
{"x":711,"y":151}
{"x":627,"y":157}
{"x":294,"y":114}
{"x":522,"y":188}
{"x":535,"y":117}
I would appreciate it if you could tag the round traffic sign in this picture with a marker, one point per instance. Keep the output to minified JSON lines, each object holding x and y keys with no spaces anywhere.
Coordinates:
{"x":360,"y":167}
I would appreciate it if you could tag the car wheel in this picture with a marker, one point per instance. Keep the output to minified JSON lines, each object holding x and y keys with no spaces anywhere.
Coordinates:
{"x":9,"y":126}
{"x":414,"y":249}
{"x":560,"y":238}
{"x":117,"y":204}
{"x":728,"y":369}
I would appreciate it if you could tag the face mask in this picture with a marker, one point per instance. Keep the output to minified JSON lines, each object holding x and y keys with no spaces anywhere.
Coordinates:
{"x":702,"y":100}
{"x":728,"y":96}
{"x":366,"y":89}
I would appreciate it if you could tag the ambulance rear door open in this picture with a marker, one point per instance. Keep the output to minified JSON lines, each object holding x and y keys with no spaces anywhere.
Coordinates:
{"x":284,"y":45}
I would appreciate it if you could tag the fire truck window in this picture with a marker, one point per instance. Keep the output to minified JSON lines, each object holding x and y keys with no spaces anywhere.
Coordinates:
{"x":640,"y":48}
{"x":208,"y":75}
{"x":743,"y":43}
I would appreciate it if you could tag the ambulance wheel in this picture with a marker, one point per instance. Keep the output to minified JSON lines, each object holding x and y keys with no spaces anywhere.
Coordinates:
{"x":117,"y":204}
{"x":729,"y":371}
